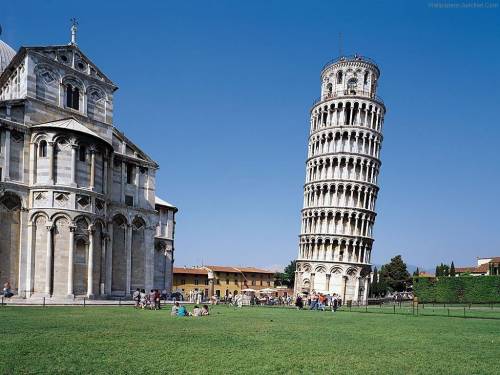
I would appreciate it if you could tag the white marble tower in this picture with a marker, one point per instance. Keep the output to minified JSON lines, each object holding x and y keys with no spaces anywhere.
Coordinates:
{"x":341,"y":188}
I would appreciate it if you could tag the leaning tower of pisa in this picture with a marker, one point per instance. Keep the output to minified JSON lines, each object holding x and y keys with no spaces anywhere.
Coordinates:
{"x":340,"y":190}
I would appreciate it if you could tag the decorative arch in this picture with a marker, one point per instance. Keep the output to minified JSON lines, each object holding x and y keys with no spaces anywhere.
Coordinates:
{"x":10,"y":229}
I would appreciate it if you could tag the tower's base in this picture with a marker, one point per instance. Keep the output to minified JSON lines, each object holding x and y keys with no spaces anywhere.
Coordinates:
{"x":349,"y":281}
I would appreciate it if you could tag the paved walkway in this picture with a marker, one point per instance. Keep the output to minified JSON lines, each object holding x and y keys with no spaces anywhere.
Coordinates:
{"x":40,"y":301}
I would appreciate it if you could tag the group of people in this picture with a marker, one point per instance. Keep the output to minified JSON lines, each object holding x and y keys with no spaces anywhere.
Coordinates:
{"x":320,"y":301}
{"x":143,"y":300}
{"x":180,"y":310}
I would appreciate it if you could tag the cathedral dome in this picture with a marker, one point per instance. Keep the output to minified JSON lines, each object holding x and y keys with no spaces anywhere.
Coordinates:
{"x":6,"y":55}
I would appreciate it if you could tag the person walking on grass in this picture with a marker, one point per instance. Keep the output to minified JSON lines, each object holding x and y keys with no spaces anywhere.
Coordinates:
{"x":335,"y":303}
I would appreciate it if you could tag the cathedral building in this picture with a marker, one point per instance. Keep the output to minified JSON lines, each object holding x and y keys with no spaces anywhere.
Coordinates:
{"x":78,"y":210}
{"x":341,"y":184}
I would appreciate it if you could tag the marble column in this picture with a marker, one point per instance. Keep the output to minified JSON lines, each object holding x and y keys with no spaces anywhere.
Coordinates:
{"x":32,"y":165}
{"x":109,"y":259}
{"x":71,"y":254}
{"x":92,"y":170}
{"x":48,"y":261}
{"x":6,"y":156}
{"x":74,"y":149}
{"x":50,"y":152}
{"x":356,"y":291}
{"x":128,"y":252}
{"x":90,"y":264}
{"x":29,"y":260}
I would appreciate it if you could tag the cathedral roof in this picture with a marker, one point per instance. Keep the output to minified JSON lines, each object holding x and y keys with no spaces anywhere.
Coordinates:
{"x":70,"y":124}
{"x":7,"y":53}
{"x":161,"y":202}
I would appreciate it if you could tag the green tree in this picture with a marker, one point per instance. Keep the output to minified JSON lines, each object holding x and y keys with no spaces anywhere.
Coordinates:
{"x":438,"y":271}
{"x":290,"y":273}
{"x":395,"y":274}
{"x":287,"y":277}
{"x":374,"y":283}
{"x":417,"y":272}
{"x":452,"y":269}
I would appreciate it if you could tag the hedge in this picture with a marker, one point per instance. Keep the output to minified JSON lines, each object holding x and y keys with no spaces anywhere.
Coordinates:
{"x":463,"y":289}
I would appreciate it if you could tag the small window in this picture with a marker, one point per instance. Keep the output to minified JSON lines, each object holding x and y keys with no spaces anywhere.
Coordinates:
{"x":42,"y":149}
{"x":130,"y":173}
{"x":227,"y":281}
{"x":339,"y":77}
{"x":72,"y":97}
{"x":365,"y":80}
{"x":196,"y":282}
{"x":129,"y":200}
{"x":206,"y":282}
{"x":82,"y":153}
{"x":183,"y":281}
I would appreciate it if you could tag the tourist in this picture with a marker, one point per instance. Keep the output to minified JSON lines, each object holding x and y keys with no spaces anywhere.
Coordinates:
{"x":136,"y":297}
{"x":204,"y":310}
{"x":157,"y":299}
{"x":175,"y":308}
{"x":196,"y":311}
{"x":335,"y":302}
{"x":143,"y":299}
{"x":152,"y":300}
{"x":321,"y":302}
{"x":182,"y":311}
{"x":299,"y":303}
{"x":7,"y":291}
{"x":314,"y":301}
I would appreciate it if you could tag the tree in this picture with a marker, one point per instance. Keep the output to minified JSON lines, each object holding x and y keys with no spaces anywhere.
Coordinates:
{"x":287,"y":277}
{"x":289,"y":272}
{"x":417,"y":272}
{"x":374,"y":283}
{"x":442,"y":270}
{"x":395,"y":274}
{"x":452,"y":269}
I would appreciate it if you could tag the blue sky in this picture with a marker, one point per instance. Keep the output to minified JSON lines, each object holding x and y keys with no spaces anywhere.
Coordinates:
{"x":219,"y":92}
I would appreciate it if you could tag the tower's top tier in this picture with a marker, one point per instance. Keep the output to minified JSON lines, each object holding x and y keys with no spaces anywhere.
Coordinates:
{"x":349,"y":76}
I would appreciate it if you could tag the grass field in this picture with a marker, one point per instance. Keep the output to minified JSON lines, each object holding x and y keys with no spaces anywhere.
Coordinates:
{"x":248,"y":341}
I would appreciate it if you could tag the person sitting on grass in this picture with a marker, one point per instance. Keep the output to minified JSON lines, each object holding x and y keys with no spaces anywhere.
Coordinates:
{"x":137,"y":298}
{"x":182,"y":311}
{"x":204,"y":310}
{"x":143,"y":299}
{"x":196,"y":311}
{"x":175,"y":308}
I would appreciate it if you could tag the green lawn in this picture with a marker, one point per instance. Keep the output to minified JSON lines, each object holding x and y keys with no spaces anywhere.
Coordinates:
{"x":249,"y":341}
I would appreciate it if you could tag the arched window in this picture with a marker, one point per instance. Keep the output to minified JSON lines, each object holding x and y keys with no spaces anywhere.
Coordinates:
{"x":351,"y":85}
{"x":339,"y":77}
{"x":365,"y":81}
{"x":329,"y":89}
{"x":42,"y":149}
{"x":82,"y":153}
{"x":72,"y":97}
